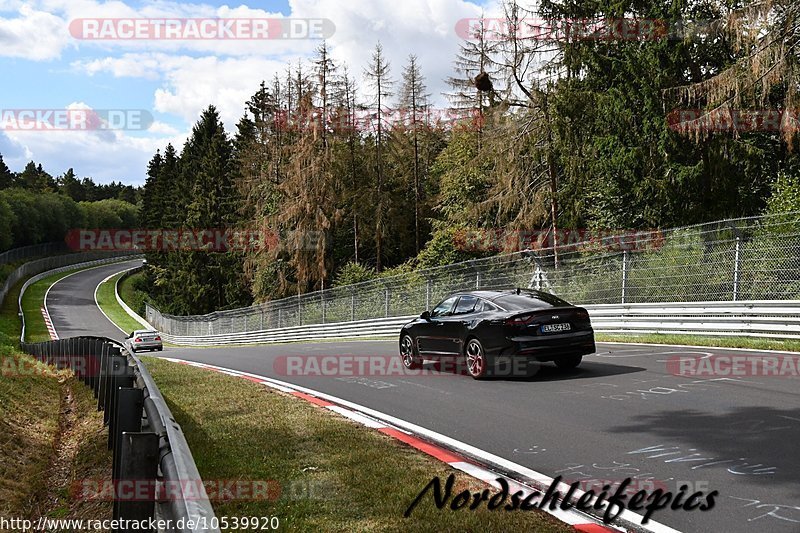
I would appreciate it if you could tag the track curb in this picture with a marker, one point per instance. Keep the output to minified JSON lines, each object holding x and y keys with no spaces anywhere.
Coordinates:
{"x":466,"y":463}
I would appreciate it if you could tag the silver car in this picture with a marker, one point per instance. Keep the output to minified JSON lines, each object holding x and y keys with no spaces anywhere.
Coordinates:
{"x":144,"y":339}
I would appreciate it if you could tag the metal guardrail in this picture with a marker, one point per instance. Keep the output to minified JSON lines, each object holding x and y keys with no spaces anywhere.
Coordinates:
{"x":121,"y":256}
{"x":747,"y":259}
{"x":778,"y":319}
{"x":38,"y":266}
{"x":131,"y":313}
{"x":154,"y":473}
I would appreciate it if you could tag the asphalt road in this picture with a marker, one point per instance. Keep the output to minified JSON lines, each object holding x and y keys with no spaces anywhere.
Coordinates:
{"x":621,"y":414}
{"x":72,"y":307}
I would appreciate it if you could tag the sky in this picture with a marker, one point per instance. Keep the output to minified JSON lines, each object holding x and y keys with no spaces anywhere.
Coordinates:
{"x":47,"y":63}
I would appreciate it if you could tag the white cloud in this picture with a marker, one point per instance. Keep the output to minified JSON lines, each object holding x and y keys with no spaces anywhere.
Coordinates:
{"x":32,"y":34}
{"x":104,"y":156}
{"x":194,"y":74}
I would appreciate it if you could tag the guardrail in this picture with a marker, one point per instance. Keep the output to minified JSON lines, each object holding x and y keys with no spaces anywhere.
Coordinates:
{"x":749,"y":259}
{"x":153,"y":472}
{"x":121,"y":256}
{"x":41,"y":265}
{"x":778,"y":319}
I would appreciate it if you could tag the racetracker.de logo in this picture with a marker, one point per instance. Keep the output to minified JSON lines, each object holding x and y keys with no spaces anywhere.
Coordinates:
{"x":202,"y":29}
{"x":785,"y":366}
{"x":74,"y":119}
{"x":191,"y":239}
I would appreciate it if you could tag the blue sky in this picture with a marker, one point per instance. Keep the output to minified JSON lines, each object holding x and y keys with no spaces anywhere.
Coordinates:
{"x":45,"y":67}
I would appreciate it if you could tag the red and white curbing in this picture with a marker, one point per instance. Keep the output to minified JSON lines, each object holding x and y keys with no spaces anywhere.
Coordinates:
{"x":578,"y":520}
{"x":49,"y":323}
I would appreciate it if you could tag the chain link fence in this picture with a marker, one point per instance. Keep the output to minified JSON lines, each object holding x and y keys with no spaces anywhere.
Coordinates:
{"x":34,"y":250}
{"x":755,"y":258}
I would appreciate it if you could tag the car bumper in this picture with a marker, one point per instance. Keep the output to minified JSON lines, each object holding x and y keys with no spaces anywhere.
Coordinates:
{"x":550,"y":347}
{"x":137,"y":346}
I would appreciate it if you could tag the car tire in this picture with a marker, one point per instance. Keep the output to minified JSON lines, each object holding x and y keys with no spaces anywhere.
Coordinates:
{"x":408,"y":353}
{"x":569,"y":363}
{"x":161,"y":349}
{"x":478,"y":363}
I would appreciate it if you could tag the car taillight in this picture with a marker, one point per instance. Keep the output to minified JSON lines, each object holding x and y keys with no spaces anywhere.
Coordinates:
{"x":137,"y":340}
{"x":518,"y":321}
{"x":582,"y":313}
{"x":157,"y":338}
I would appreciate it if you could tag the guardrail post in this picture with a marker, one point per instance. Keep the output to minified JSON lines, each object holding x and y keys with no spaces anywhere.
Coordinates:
{"x":736,"y":268}
{"x":119,"y":382}
{"x":138,"y":466}
{"x":624,"y":275}
{"x":127,"y":419}
{"x":102,"y":380}
{"x":115,"y":365}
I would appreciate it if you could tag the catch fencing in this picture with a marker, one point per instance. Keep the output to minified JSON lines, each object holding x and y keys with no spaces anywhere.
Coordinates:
{"x":738,"y":260}
{"x":34,"y":250}
{"x":148,"y":447}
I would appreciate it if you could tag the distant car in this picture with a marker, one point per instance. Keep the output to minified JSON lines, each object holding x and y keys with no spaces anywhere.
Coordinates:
{"x":482,"y":325}
{"x":143,"y":339}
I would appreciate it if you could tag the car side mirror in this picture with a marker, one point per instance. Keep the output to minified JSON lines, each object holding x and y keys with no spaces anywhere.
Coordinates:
{"x":426,"y":315}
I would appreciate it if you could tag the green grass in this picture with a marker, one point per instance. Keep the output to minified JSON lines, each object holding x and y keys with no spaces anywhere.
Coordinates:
{"x":48,"y":442}
{"x":131,"y":294}
{"x":752,"y":343}
{"x":359,"y":479}
{"x":107,"y":301}
{"x":32,"y":301}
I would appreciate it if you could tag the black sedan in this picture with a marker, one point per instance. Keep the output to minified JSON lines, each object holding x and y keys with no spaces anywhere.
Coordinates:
{"x":484,"y":325}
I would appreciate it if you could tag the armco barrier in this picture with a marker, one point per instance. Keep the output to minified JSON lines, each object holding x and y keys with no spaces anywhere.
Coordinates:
{"x":148,"y":447}
{"x":42,"y":265}
{"x":779,"y":319}
{"x":69,"y":266}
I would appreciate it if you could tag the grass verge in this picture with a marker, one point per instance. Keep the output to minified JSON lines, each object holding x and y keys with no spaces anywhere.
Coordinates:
{"x":132,"y":293}
{"x":52,"y":433}
{"x":334,"y":474}
{"x":107,"y":300}
{"x":752,"y":343}
{"x":32,"y":302}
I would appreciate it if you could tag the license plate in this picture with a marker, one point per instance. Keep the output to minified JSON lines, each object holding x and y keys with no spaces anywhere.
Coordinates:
{"x":553,"y":328}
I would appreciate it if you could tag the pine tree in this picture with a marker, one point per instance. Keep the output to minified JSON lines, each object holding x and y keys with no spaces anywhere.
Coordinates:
{"x":6,"y":176}
{"x":380,"y":82}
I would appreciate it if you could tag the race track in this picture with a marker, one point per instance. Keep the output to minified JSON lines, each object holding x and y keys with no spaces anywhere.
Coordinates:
{"x":621,"y":414}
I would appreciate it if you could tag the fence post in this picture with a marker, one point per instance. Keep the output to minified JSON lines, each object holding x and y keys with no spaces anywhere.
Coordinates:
{"x":299,"y":311}
{"x":352,"y":306}
{"x":427,"y":293}
{"x":261,"y":323}
{"x":478,"y":280}
{"x":322,"y":300}
{"x":736,"y":268}
{"x":386,"y":301}
{"x":624,"y":275}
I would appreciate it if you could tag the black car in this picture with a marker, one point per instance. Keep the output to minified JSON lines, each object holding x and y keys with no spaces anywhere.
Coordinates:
{"x":484,"y":325}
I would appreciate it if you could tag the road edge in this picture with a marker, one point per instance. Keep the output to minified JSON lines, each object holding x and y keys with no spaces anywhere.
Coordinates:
{"x":477,"y":463}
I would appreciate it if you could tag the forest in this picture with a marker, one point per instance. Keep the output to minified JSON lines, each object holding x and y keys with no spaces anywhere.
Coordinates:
{"x":357,"y":173}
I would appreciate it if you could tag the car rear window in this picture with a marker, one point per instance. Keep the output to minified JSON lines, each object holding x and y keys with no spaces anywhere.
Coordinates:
{"x":529,"y":300}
